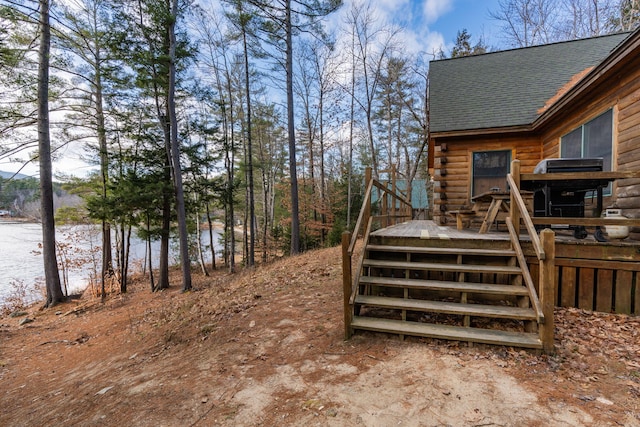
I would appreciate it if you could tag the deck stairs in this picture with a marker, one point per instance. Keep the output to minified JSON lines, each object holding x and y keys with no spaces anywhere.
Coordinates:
{"x":458,"y":292}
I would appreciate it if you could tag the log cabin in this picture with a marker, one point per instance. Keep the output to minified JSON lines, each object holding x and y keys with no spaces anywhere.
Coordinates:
{"x":577,"y":98}
{"x":493,"y":119}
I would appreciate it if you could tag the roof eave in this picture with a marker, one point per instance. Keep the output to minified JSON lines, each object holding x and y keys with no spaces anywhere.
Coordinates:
{"x":481,"y":131}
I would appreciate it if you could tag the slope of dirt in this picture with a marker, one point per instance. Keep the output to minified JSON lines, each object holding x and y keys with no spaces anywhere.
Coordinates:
{"x":266,"y":348}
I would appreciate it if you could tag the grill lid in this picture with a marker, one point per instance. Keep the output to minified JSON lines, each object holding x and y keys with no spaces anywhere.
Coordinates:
{"x":587,"y":164}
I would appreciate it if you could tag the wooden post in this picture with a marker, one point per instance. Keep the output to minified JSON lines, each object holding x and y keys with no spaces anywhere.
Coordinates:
{"x":514,"y":212}
{"x":346,"y":282}
{"x":367,"y":208}
{"x":385,"y":210}
{"x":394,"y":188}
{"x":547,"y":288}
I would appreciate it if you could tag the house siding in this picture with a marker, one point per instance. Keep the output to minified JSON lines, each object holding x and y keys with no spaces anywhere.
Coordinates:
{"x":628,"y":147}
{"x":613,"y":84}
{"x":622,"y":93}
{"x":452,"y":179}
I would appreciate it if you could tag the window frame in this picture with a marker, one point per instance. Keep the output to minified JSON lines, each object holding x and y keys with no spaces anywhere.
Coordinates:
{"x":510,"y":156}
{"x":585,"y":144}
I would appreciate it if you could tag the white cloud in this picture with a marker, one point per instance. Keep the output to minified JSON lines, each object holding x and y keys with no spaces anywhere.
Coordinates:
{"x":433,"y":42}
{"x":434,"y":9}
{"x":391,"y":5}
{"x":415,"y":36}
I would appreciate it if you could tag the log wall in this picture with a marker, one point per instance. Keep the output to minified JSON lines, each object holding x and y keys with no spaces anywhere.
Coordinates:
{"x":622,"y":94}
{"x":453,"y":168}
{"x":620,"y":91}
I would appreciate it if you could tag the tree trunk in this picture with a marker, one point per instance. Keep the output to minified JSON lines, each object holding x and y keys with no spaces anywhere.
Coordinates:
{"x":175,"y":153}
{"x":163,"y":273}
{"x":323,"y":199}
{"x":107,"y":260}
{"x":211,"y":242}
{"x":125,"y":264}
{"x":295,"y":218}
{"x":203,"y":266}
{"x":252,"y":228}
{"x":151,"y":281}
{"x":52,"y":276}
{"x":351,"y":120}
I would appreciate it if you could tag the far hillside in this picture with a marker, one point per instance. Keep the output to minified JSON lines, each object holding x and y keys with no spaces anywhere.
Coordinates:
{"x":20,"y":195}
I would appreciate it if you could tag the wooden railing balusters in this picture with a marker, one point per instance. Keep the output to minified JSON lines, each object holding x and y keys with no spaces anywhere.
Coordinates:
{"x":545,"y":252}
{"x":350,"y":280}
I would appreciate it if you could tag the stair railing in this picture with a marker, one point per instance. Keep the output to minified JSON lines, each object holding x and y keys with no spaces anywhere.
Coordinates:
{"x":389,"y":215}
{"x":545,"y":252}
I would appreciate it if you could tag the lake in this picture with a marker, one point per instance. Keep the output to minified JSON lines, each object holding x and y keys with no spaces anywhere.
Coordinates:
{"x":21,"y":263}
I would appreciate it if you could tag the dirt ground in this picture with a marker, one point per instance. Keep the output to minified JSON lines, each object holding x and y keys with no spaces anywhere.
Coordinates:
{"x":266,"y":348}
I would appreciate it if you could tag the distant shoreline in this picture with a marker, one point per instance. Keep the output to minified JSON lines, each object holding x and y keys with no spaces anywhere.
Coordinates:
{"x":16,"y":220}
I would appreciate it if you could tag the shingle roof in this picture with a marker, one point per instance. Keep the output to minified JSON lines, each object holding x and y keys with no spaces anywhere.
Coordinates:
{"x":508,"y":88}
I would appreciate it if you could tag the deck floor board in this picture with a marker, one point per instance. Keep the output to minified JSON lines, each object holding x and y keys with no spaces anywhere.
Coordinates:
{"x":426,"y":229}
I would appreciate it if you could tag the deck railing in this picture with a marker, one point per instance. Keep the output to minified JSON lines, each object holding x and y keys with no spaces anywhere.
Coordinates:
{"x":544,"y":247}
{"x":393,"y":208}
{"x":574,"y":221}
{"x":544,"y":243}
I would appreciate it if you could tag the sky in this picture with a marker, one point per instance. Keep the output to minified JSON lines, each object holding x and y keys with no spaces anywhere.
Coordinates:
{"x":474,"y":15}
{"x":430,"y":24}
{"x":427,"y":25}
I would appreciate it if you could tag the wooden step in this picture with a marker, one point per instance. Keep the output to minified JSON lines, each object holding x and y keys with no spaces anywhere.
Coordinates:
{"x":443,"y":285}
{"x":466,"y":268}
{"x":481,"y":310}
{"x":458,"y":333}
{"x":442,"y":251}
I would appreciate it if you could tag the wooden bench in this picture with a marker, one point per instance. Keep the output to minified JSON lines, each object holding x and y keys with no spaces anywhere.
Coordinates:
{"x":463,"y":217}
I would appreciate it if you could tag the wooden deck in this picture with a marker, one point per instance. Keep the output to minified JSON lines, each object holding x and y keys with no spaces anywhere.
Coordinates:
{"x":426,"y":229}
{"x":601,"y":276}
{"x":420,"y":278}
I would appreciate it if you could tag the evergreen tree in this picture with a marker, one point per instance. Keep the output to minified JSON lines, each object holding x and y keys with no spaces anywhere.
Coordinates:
{"x":280,"y":21}
{"x":52,"y":276}
{"x":463,"y":45}
{"x":87,"y":38}
{"x":158,"y":53}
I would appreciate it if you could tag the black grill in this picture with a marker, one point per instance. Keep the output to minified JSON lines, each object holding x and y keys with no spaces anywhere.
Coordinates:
{"x":566,"y":198}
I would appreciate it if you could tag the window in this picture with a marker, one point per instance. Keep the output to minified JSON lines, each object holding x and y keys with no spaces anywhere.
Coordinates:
{"x":490,"y":169}
{"x":592,"y":139}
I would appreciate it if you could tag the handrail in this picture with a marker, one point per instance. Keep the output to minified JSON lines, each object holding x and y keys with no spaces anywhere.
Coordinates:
{"x":390,"y":192}
{"x":557,"y":176}
{"x":365,"y":204}
{"x":528,"y":280}
{"x":596,"y":221}
{"x":356,"y":278}
{"x":524,"y":214}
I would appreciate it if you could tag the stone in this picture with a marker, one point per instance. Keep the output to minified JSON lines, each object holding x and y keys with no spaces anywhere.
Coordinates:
{"x":25,"y":321}
{"x":331,"y":412}
{"x":104,"y":390}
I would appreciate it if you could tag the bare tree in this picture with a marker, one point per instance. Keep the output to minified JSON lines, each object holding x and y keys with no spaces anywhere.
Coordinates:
{"x":585,"y":18}
{"x":282,"y":19}
{"x":626,"y":16}
{"x":373,"y":45}
{"x":527,"y":22}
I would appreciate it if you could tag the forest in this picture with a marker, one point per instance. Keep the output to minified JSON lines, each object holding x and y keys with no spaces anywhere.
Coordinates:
{"x":259,"y":116}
